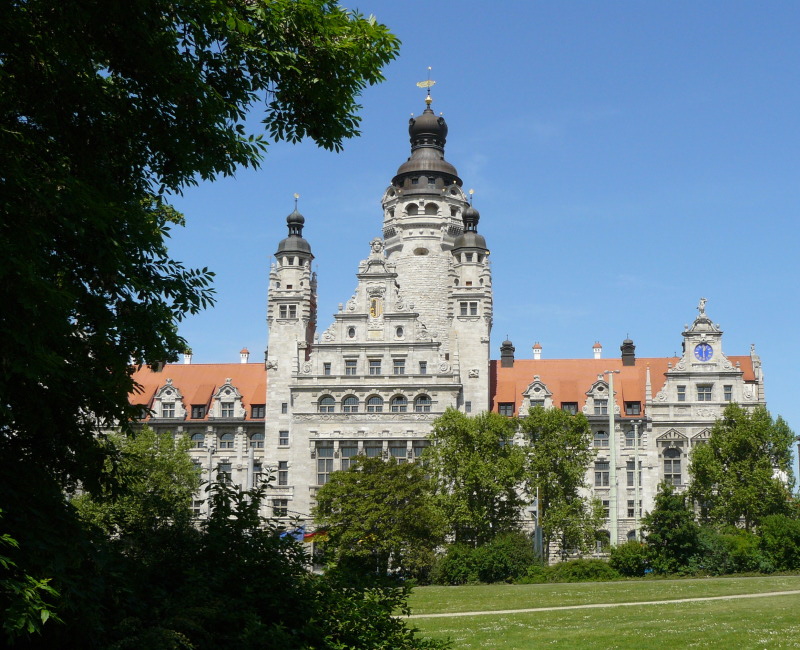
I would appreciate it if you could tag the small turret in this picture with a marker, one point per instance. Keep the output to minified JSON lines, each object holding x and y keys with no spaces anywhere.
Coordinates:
{"x":628,"y":350}
{"x":506,"y":354}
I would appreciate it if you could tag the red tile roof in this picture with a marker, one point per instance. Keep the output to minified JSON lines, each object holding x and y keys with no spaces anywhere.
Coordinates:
{"x":197,"y":382}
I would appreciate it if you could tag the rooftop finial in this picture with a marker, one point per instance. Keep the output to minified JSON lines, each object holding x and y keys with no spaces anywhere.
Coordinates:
{"x":471,"y":194}
{"x":296,"y":196}
{"x":427,"y":84}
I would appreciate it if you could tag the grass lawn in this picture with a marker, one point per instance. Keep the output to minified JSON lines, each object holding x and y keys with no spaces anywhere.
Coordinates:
{"x":771,"y":622}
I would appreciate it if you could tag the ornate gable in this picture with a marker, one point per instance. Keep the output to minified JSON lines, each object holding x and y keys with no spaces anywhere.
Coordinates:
{"x":226,"y":402}
{"x":168,"y":402}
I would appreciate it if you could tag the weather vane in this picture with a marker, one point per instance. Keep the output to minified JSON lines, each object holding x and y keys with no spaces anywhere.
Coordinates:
{"x":427,"y":85}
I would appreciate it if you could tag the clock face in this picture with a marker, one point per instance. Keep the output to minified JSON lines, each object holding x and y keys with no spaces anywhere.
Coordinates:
{"x":703,"y":351}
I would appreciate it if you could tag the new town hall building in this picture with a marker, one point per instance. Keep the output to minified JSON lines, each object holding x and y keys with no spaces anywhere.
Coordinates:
{"x":414,"y":340}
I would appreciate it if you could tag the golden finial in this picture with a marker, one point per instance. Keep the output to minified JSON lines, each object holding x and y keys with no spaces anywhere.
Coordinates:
{"x":296,"y":196}
{"x":427,"y":84}
{"x":471,"y":192}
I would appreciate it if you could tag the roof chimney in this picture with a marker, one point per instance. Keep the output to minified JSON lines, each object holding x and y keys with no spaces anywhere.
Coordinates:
{"x":628,"y":353}
{"x":244,"y":355}
{"x":597,"y":349}
{"x":187,"y":357}
{"x":507,"y":354}
{"x":537,"y":350}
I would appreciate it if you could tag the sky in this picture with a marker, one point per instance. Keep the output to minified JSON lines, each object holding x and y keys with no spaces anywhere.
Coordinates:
{"x":628,"y":158}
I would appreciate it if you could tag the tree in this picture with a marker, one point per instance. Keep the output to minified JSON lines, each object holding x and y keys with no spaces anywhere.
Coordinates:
{"x":744,"y":472}
{"x":559,"y":454}
{"x":380,"y":517}
{"x":107,"y":109}
{"x":157,"y":480}
{"x":671,"y":533}
{"x":477,"y":472}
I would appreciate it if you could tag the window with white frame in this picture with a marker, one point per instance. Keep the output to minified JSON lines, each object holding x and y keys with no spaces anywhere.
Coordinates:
{"x":326,"y":404}
{"x":226,"y":440}
{"x":283,"y":472}
{"x":570,"y":407}
{"x":283,"y":438}
{"x":226,"y":409}
{"x":258,"y":473}
{"x":280,"y":507}
{"x":258,"y":411}
{"x":704,"y":392}
{"x":224,"y":473}
{"x":630,"y":468}
{"x":422,"y":404}
{"x":727,"y":392}
{"x":198,"y":440}
{"x":399,"y":404}
{"x":681,"y":393}
{"x":672,"y":466}
{"x":350,"y":404}
{"x":398,"y":366}
{"x":600,"y":406}
{"x":600,"y":439}
{"x":506,"y":408}
{"x":324,"y":462}
{"x":348,"y":450}
{"x":167,"y":409}
{"x":423,"y":367}
{"x":326,"y":368}
{"x":374,"y":366}
{"x":633,"y":437}
{"x":601,"y":473}
{"x":375,"y":404}
{"x":350,"y":367}
{"x":633,"y":408}
{"x":257,"y":440}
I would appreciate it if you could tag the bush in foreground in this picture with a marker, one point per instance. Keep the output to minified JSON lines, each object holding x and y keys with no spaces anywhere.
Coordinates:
{"x":629,"y":559}
{"x":592,"y":570}
{"x":505,"y":558}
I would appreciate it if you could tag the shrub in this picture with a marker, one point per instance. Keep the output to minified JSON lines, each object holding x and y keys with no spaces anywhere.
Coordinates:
{"x":456,"y":567}
{"x":571,"y":571}
{"x":780,"y":541}
{"x":729,"y":551}
{"x":504,"y":558}
{"x":629,"y":559}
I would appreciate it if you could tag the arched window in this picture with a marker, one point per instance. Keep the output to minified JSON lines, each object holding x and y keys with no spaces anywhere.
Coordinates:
{"x":422,"y":404}
{"x":600,"y":439}
{"x":631,"y":536}
{"x":350,"y":404}
{"x":375,"y":404}
{"x":399,"y":404}
{"x":257,"y":441}
{"x":431,"y":208}
{"x":326,"y":404}
{"x":226,"y":441}
{"x":412,"y":209}
{"x":672,"y":466}
{"x":198,"y":440}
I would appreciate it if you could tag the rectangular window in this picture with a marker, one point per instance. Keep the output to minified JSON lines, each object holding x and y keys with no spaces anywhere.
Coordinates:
{"x":631,"y":509}
{"x":257,"y":441}
{"x":326,"y":368}
{"x":537,"y":402}
{"x":704,"y":392}
{"x":570,"y":407}
{"x":672,"y":471}
{"x":423,"y":367}
{"x":284,"y":407}
{"x":283,"y":438}
{"x":258,"y":473}
{"x":606,"y":509}
{"x":167,"y":409}
{"x":601,"y":473}
{"x":348,"y":451}
{"x":464,"y":308}
{"x":324,"y":462}
{"x":257,"y":410}
{"x":418,"y":446}
{"x":196,"y":507}
{"x":728,"y":393}
{"x":601,"y":407}
{"x":280,"y":507}
{"x":283,"y":472}
{"x":283,"y":311}
{"x":224,"y":473}
{"x":373,"y":449}
{"x":467,"y":407}
{"x":399,"y":450}
{"x":681,"y":393}
{"x":198,"y":412}
{"x":399,"y":366}
{"x":506,"y":408}
{"x":350,"y":367}
{"x":633,"y":408}
{"x":633,"y":437}
{"x":374,"y":366}
{"x":473,"y":309}
{"x":226,"y":409}
{"x":292,"y":311}
{"x":630,"y":468}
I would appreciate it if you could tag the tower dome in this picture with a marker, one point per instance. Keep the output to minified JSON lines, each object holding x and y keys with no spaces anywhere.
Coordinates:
{"x":470,"y":237}
{"x":295,"y":242}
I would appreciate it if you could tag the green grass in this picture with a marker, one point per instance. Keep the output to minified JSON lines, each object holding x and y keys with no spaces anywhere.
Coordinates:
{"x":769,"y":622}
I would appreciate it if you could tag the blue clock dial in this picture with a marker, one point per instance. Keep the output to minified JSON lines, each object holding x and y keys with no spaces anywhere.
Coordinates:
{"x":703,"y":351}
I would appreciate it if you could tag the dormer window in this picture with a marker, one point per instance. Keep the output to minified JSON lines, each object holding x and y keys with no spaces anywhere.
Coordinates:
{"x":601,"y":406}
{"x":633,"y":408}
{"x":168,"y":409}
{"x":226,"y":409}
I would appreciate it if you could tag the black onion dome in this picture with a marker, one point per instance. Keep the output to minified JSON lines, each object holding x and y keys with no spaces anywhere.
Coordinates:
{"x":428,"y":134}
{"x":295,"y":242}
{"x":470,"y":237}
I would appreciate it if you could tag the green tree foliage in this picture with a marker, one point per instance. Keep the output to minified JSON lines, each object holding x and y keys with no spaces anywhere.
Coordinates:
{"x":671,"y":533}
{"x":629,"y":559}
{"x":107,"y":108}
{"x":502,"y":559}
{"x":780,"y":541}
{"x":559,"y":453}
{"x":157,"y":480}
{"x":477,"y":471}
{"x":380,"y":518}
{"x":744,"y":472}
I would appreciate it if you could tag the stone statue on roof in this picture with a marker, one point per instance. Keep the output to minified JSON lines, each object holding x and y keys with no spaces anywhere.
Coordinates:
{"x":701,"y":307}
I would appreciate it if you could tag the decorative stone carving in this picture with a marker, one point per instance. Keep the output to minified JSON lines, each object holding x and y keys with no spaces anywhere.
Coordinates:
{"x":306,"y":367}
{"x":444,"y":367}
{"x":474,"y":373}
{"x":272,"y":365}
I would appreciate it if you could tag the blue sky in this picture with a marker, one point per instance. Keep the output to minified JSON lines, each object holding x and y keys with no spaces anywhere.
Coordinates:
{"x":627,"y":158}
